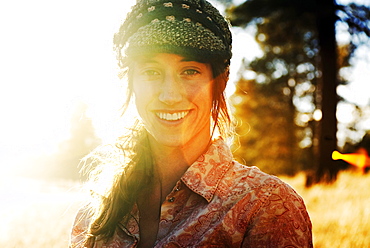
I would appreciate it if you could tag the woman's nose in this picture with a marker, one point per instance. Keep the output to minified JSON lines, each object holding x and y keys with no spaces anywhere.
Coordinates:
{"x":171,"y":90}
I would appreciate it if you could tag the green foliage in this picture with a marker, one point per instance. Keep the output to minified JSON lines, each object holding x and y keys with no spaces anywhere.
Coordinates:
{"x":357,"y":20}
{"x":254,"y":10}
{"x":286,"y":77}
{"x":269,"y":143}
{"x":279,"y":106}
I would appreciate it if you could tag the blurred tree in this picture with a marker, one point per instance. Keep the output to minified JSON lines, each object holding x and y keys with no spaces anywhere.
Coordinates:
{"x":64,"y":164}
{"x":82,"y":141}
{"x":270,"y":141}
{"x":300,"y":65}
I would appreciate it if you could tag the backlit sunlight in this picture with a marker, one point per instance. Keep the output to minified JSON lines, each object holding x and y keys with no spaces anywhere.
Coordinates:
{"x":54,"y":55}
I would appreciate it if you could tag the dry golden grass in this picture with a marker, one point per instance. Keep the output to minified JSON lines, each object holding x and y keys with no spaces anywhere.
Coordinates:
{"x":37,"y":215}
{"x":340,"y":212}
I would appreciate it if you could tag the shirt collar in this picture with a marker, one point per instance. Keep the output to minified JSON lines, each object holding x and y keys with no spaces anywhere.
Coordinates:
{"x":204,"y":175}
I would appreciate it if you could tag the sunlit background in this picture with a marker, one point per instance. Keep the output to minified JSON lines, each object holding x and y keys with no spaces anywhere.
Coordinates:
{"x":56,"y":56}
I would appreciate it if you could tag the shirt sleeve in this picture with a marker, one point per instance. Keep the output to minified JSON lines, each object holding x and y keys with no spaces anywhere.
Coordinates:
{"x":79,"y":229}
{"x":282,"y":221}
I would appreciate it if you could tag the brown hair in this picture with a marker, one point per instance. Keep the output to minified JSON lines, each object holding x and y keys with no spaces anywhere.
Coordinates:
{"x":113,"y":205}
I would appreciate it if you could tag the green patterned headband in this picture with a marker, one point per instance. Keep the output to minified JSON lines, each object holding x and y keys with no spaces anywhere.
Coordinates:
{"x":189,"y":27}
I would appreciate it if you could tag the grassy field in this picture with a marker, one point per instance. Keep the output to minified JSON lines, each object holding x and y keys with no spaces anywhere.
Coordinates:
{"x":37,"y":214}
{"x":340,"y":212}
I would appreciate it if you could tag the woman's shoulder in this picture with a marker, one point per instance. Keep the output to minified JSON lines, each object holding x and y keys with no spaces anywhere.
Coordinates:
{"x":261,"y":194}
{"x":251,"y":182}
{"x":252,"y":177}
{"x":80,"y":226}
{"x":272,"y":209}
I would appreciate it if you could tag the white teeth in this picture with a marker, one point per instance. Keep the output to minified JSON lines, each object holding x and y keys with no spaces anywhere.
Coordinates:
{"x":172,"y":117}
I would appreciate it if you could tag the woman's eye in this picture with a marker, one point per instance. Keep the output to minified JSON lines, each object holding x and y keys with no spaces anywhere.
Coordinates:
{"x":190,"y":72}
{"x":150,"y":73}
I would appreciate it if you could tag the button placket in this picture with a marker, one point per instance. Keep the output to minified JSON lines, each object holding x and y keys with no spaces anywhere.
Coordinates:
{"x":175,"y":190}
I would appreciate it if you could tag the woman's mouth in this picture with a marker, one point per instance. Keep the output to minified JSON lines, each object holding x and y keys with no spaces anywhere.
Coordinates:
{"x":172,"y":116}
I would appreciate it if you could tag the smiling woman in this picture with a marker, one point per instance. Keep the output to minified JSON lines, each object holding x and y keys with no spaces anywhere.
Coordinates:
{"x":174,"y":101}
{"x":174,"y":182}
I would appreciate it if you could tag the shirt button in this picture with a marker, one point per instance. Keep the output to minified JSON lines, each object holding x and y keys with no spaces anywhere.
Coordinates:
{"x":172,"y":199}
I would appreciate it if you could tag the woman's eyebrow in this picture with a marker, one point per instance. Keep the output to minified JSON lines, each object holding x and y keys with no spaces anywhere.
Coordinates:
{"x":189,"y":60}
{"x":146,"y":61}
{"x":192,"y":60}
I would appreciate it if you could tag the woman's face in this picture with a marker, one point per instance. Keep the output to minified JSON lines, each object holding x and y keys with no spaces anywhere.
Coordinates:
{"x":174,"y":98}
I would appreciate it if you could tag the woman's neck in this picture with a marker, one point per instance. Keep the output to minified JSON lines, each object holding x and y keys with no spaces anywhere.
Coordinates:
{"x":172,"y":162}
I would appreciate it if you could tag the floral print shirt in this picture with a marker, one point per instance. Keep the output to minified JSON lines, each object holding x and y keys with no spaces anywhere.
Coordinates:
{"x":220,"y":203}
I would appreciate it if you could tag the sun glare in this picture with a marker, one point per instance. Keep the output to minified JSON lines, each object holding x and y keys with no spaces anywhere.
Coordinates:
{"x":53,"y":56}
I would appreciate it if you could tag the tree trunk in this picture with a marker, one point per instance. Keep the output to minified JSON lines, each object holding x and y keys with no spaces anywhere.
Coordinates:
{"x":326,"y":170}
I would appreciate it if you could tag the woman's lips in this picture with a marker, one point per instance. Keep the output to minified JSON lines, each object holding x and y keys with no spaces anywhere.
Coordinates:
{"x":174,"y":116}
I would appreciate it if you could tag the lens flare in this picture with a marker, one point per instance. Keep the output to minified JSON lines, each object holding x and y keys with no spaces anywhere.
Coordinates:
{"x":359,"y":159}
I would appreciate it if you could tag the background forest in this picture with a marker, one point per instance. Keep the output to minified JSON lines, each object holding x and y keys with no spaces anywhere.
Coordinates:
{"x":287,"y":109}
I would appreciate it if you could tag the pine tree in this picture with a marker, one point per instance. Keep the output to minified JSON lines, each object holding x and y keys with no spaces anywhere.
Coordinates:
{"x":298,"y":39}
